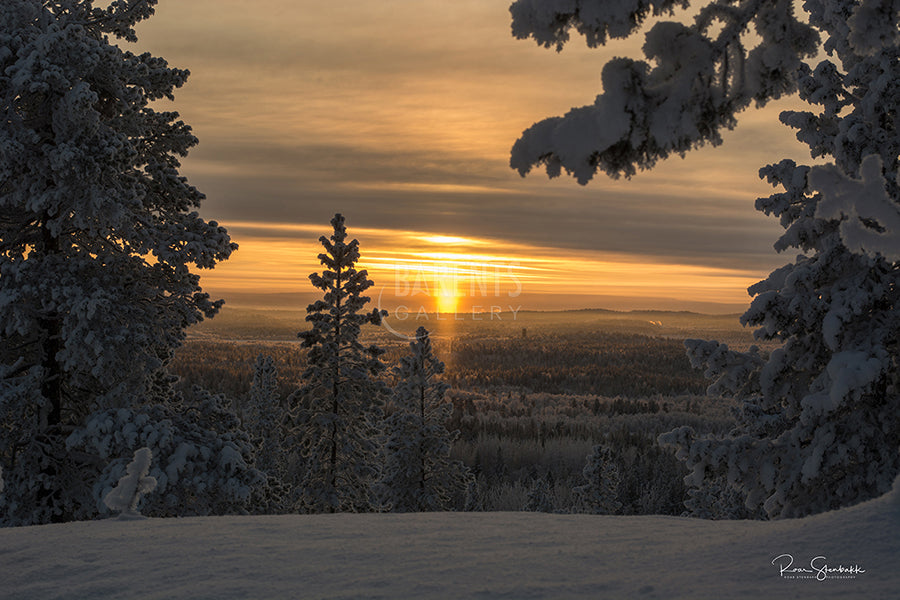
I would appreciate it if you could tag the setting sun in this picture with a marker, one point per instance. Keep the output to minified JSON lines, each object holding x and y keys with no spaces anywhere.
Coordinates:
{"x":446,"y":293}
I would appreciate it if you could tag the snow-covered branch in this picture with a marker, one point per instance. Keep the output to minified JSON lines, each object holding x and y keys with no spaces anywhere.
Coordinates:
{"x":869,"y":217}
{"x":690,"y":89}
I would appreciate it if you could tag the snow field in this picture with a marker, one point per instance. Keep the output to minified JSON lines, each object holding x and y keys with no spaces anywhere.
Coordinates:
{"x":453,"y":555}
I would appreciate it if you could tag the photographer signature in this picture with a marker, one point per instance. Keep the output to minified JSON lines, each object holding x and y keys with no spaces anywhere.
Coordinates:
{"x":817,"y":566}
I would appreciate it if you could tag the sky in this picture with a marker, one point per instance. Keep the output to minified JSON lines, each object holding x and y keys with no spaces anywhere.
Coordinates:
{"x":400,"y":114}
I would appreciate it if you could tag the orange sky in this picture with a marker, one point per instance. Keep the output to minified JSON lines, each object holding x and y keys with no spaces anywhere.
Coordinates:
{"x":416,"y":271}
{"x":400,"y":114}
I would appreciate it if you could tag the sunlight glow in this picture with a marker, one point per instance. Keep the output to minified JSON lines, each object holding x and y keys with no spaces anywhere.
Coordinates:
{"x":434,"y":272}
{"x":428,"y":188}
{"x":445,"y":240}
{"x":446,"y":294}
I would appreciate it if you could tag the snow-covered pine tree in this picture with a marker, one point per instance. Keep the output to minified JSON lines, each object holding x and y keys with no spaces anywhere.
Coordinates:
{"x":419,"y":475}
{"x":98,"y":233}
{"x":717,"y":500}
{"x":337,"y":412}
{"x":819,"y":426}
{"x":266,"y":415}
{"x":134,"y":484}
{"x":599,"y":495}
{"x":540,"y":498}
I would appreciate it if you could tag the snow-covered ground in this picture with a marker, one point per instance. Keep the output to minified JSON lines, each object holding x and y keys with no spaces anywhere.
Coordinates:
{"x":457,"y":555}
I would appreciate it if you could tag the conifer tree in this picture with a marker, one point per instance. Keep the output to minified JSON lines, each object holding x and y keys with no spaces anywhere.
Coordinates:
{"x":819,"y":423}
{"x":266,"y":414}
{"x":98,"y":232}
{"x":539,"y":498}
{"x":716,"y":500}
{"x":419,"y":475}
{"x":338,"y":410}
{"x":599,"y":495}
{"x":818,"y":426}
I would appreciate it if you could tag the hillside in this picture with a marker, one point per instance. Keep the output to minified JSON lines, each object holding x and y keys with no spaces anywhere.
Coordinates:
{"x":458,"y":555}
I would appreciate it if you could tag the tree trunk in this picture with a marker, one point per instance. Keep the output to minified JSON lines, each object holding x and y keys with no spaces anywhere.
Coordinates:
{"x":51,"y":326}
{"x":50,"y":416}
{"x":335,"y":385}
{"x":421,"y":449}
{"x":51,"y":385}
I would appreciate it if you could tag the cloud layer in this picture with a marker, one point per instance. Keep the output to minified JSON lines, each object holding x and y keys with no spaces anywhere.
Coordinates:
{"x":401,"y":114}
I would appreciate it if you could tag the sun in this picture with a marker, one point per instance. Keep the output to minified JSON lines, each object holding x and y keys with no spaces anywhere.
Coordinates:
{"x":446,"y":293}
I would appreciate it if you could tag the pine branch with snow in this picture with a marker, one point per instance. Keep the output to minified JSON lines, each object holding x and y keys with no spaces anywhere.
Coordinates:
{"x":135,"y":483}
{"x":869,"y":217}
{"x":695,"y":81}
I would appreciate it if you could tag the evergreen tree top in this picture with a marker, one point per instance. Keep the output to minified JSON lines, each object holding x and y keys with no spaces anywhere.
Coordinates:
{"x":337,"y":318}
{"x":421,"y":361}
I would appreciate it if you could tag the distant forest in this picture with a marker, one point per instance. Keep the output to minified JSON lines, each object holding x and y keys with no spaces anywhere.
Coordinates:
{"x":529,"y":406}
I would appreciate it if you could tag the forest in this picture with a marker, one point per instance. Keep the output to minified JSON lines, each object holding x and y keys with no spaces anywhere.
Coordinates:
{"x":529,"y":409}
{"x":121,"y":390}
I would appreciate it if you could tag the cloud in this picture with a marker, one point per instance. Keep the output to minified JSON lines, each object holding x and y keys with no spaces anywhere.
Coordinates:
{"x":649,"y":216}
{"x":401,"y":114}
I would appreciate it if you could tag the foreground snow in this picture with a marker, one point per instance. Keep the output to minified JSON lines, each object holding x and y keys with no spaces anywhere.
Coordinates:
{"x":482,"y":555}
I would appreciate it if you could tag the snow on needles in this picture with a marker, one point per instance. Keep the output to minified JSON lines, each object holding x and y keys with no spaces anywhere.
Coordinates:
{"x":870,"y":218}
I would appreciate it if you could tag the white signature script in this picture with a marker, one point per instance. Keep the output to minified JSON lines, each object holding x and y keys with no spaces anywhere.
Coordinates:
{"x":817,"y":566}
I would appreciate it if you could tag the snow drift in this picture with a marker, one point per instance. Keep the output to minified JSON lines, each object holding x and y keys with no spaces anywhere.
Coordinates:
{"x":427,"y":555}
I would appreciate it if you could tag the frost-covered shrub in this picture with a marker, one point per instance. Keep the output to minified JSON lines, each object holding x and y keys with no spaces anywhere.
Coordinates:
{"x":203,"y":461}
{"x":505,"y":497}
{"x":133,"y":485}
{"x":540,"y":498}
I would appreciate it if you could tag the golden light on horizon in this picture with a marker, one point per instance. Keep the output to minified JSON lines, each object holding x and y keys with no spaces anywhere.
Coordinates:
{"x":445,"y":273}
{"x":451,"y":240}
{"x":447,"y":294}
